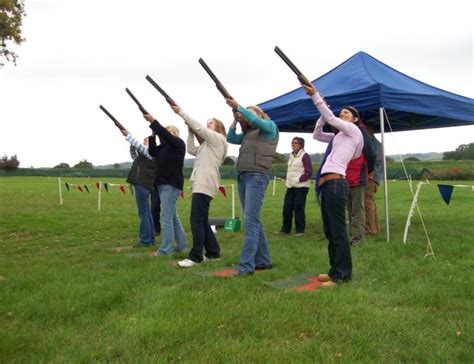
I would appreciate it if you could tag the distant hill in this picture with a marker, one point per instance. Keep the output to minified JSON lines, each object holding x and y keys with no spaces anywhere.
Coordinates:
{"x":432,"y":156}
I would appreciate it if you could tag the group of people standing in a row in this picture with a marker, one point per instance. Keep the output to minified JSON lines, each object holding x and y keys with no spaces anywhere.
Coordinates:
{"x":345,"y":174}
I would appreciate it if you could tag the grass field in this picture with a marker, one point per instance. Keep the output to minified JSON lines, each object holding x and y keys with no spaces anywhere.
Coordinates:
{"x":70,"y":293}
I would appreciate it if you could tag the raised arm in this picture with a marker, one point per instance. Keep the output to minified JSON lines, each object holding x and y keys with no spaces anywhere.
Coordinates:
{"x":163,"y":133}
{"x":190,"y":146}
{"x":232,"y":136}
{"x":139,"y":147}
{"x":319,"y":134}
{"x":326,"y":113}
{"x":206,"y":134}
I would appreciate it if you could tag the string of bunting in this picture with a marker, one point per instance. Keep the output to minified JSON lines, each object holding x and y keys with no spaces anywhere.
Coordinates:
{"x":97,"y":185}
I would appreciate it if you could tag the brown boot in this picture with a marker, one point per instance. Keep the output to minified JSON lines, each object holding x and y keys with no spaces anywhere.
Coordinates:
{"x":324,"y":277}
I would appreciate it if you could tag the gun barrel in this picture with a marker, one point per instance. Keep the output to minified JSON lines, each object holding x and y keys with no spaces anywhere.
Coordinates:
{"x":218,"y":83}
{"x":287,"y":61}
{"x":209,"y":71}
{"x":116,"y":122}
{"x":142,"y":109}
{"x":161,"y":91}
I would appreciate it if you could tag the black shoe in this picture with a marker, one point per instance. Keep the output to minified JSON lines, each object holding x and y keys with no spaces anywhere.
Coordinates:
{"x":264,"y":267}
{"x":243,"y":274}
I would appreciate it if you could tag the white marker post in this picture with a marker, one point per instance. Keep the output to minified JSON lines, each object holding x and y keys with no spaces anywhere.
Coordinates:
{"x":60,"y":191}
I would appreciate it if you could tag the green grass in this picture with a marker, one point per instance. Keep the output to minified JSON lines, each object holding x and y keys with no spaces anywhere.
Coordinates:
{"x":68,"y":295}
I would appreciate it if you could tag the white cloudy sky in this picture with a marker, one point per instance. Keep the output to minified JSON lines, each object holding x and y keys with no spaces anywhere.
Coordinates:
{"x":83,"y":53}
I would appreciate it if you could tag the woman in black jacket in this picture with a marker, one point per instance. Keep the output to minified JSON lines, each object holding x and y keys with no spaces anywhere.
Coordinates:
{"x":169,"y":181}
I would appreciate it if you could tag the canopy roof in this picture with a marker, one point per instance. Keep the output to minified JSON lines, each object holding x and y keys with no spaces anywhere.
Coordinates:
{"x":368,"y":84}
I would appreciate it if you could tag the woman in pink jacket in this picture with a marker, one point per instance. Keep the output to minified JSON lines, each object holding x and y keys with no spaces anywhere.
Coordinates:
{"x":344,"y":144}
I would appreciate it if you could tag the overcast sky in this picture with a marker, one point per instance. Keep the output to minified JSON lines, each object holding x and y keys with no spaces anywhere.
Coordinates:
{"x":79,"y":54}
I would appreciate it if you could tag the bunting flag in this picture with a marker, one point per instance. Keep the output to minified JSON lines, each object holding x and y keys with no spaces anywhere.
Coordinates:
{"x":106,"y":186}
{"x":79,"y":188}
{"x":122,"y":188}
{"x":67,"y":186}
{"x":222,"y":189}
{"x":131,"y":189}
{"x":182,"y":194}
{"x":97,"y":185}
{"x":87,"y":188}
{"x":446,"y":191}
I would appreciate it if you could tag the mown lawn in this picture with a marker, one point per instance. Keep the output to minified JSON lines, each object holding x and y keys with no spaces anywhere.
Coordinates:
{"x":71,"y":290}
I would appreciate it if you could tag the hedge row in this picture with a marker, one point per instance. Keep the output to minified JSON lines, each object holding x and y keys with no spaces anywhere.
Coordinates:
{"x":452,"y":170}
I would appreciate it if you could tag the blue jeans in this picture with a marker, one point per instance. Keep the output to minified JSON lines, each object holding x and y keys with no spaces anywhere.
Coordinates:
{"x":334,"y":195}
{"x":171,"y":227}
{"x":147,"y":227}
{"x":255,"y":252}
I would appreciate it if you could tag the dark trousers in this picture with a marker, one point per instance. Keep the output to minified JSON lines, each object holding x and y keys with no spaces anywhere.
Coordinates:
{"x":334,"y":196}
{"x":295,"y":204}
{"x":203,"y":237}
{"x":156,"y":209}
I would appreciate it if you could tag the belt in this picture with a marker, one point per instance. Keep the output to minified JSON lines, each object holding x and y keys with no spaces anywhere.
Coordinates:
{"x":329,"y":177}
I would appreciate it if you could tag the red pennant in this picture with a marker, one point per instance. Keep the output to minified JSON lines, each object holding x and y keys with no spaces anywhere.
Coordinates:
{"x":222,"y":189}
{"x":122,"y":188}
{"x":182,"y":194}
{"x":80,"y":188}
{"x":97,"y":185}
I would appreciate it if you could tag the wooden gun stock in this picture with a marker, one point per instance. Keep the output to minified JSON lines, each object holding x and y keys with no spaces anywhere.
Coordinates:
{"x":169,"y":100}
{"x":116,"y":122}
{"x":218,"y":83}
{"x":142,"y":109}
{"x":295,"y":69}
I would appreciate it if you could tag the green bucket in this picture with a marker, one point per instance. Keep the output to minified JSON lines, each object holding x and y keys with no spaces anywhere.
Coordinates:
{"x":232,"y":225}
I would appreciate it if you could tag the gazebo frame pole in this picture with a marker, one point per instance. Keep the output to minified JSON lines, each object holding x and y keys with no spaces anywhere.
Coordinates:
{"x":385,"y":190}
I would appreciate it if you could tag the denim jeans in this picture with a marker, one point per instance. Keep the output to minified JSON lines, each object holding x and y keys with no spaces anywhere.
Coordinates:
{"x":171,"y":227}
{"x":255,"y":252}
{"x":334,"y":195}
{"x":295,"y":203}
{"x":203,"y":236}
{"x":147,"y":227}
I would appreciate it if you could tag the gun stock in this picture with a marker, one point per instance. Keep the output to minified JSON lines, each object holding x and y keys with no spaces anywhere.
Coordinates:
{"x":142,"y":109}
{"x":293,"y":67}
{"x":116,"y":122}
{"x":219,"y":85}
{"x":169,"y":100}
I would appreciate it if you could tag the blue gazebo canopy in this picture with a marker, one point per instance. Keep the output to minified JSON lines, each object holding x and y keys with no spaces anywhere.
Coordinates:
{"x":368,"y":84}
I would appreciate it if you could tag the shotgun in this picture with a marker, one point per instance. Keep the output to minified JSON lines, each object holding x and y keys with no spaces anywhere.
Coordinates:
{"x":295,"y":69}
{"x":142,"y":109}
{"x":116,"y":122}
{"x":218,"y":83}
{"x":169,"y":100}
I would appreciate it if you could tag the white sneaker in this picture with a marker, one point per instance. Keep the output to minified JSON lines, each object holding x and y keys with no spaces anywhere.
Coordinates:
{"x":187,"y":263}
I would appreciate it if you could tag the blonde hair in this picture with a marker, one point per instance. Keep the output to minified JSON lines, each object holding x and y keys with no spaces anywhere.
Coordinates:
{"x":220,"y":128}
{"x":173,"y":130}
{"x":259,"y":112}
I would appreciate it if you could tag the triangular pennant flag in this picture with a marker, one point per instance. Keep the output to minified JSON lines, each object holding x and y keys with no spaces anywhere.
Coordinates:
{"x":222,"y":189}
{"x":87,"y":188}
{"x":79,"y":188}
{"x":122,"y":188}
{"x":106,"y":186}
{"x":182,"y":194}
{"x":446,"y":191}
{"x":67,"y":186}
{"x":131,"y":189}
{"x":97,"y":185}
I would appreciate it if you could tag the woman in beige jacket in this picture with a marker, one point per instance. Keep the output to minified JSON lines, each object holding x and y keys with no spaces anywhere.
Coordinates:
{"x":205,"y":180}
